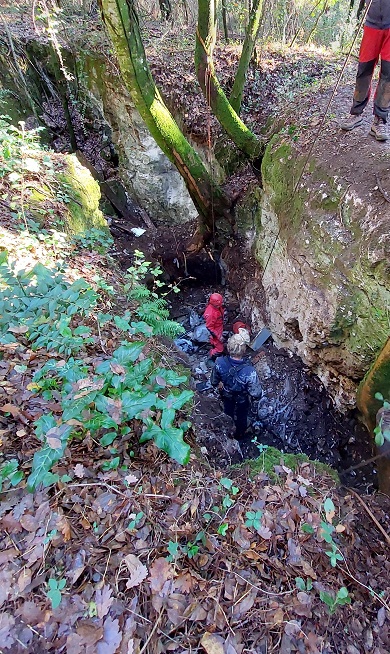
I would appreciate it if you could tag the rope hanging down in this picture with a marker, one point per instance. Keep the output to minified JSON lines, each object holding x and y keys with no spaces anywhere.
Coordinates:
{"x":321,"y":125}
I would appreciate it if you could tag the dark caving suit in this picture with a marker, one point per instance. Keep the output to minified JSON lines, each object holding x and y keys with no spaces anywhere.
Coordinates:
{"x":238,"y":382}
{"x":375,"y":44}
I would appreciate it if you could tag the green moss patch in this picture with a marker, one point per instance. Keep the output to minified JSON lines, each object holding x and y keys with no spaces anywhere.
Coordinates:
{"x":272,"y":457}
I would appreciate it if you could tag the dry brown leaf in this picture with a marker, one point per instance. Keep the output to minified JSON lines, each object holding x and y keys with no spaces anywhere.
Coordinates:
{"x":131,"y":479}
{"x":212,"y":643}
{"x":24,"y":579}
{"x":6,"y":624}
{"x":103,"y":601}
{"x":8,"y":555}
{"x":112,"y":637}
{"x":79,"y":470}
{"x":138,"y":571}
{"x":6,"y":585}
{"x":265,"y":533}
{"x":18,"y":329}
{"x":89,"y":632}
{"x":29,"y":522}
{"x":10,"y":408}
{"x":53,"y":442}
{"x":243,"y":606}
{"x":63,"y":526}
{"x":117,"y":368}
{"x":160,"y":571}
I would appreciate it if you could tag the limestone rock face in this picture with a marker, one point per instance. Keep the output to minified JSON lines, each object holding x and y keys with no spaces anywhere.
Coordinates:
{"x":326,"y":254}
{"x":150,"y":178}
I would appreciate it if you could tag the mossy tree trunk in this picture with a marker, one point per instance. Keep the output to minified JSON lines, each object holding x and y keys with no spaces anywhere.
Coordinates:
{"x":246,"y":54}
{"x":121,"y":20}
{"x":243,"y":138}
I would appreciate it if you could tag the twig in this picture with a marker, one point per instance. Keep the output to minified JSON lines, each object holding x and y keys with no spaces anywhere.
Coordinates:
{"x":151,"y":633}
{"x":287,"y":592}
{"x":381,"y":189}
{"x":100,"y":337}
{"x":373,"y":518}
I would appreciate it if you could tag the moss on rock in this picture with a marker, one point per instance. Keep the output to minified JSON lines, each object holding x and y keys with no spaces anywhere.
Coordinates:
{"x":82,"y":195}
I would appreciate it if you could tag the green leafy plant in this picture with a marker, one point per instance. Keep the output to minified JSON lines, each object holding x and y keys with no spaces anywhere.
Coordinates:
{"x":95,"y":239}
{"x":150,"y":308}
{"x":39,"y":305}
{"x":253,"y":519}
{"x":303,"y":585}
{"x":55,"y":586}
{"x":133,"y":524}
{"x":222,"y":529}
{"x":332,"y":602}
{"x":174,"y":551}
{"x":9,"y":472}
{"x":382,"y":430}
{"x":190,"y":549}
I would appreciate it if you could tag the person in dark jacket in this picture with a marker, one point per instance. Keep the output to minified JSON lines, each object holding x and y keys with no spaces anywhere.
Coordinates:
{"x":375,"y":44}
{"x":237,"y":381}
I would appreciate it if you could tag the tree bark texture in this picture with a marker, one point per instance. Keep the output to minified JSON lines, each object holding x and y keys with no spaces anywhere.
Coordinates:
{"x":246,"y":54}
{"x":243,"y":138}
{"x":224,"y":21}
{"x":122,"y":23}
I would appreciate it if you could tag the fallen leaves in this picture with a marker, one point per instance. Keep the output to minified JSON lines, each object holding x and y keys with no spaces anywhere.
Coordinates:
{"x":138,"y":571}
{"x":212,"y":644}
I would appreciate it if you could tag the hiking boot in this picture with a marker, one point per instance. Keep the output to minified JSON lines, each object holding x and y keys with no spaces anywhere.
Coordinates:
{"x":379,"y":129}
{"x":350,"y":121}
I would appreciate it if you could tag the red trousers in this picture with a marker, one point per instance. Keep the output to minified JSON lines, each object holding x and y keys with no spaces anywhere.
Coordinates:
{"x":375,"y":44}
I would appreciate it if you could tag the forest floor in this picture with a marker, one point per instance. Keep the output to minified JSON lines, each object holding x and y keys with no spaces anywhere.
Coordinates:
{"x":151,"y":557}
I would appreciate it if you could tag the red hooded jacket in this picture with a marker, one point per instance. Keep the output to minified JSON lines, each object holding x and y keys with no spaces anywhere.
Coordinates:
{"x":214,"y":315}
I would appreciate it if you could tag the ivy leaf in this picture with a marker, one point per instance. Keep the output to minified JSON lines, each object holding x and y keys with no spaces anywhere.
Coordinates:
{"x":329,"y":509}
{"x":55,"y":597}
{"x":169,"y":440}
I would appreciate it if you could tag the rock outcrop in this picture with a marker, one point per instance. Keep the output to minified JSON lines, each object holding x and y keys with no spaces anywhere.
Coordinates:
{"x":325,"y":252}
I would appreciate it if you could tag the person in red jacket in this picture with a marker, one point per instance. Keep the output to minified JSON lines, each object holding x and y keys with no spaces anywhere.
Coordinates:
{"x":213,"y":316}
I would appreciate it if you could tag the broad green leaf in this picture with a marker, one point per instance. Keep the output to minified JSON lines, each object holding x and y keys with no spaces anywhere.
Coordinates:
{"x":108,"y":438}
{"x":328,"y":505}
{"x":73,"y":408}
{"x":169,"y":440}
{"x":128,"y":353}
{"x":134,"y":403}
{"x":43,"y":461}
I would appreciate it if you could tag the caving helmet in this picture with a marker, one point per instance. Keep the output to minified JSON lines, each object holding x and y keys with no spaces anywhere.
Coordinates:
{"x":216,"y":300}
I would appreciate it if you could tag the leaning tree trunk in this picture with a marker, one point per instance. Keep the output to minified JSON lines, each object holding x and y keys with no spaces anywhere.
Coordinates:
{"x":246,"y":54}
{"x":243,"y":138}
{"x":123,"y":27}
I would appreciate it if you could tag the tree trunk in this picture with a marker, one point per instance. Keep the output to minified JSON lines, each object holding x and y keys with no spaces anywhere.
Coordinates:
{"x":312,"y":31}
{"x":224,"y":21}
{"x":165,"y":8}
{"x":243,"y":138}
{"x":122,"y":23}
{"x":246,"y":54}
{"x":185,"y":10}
